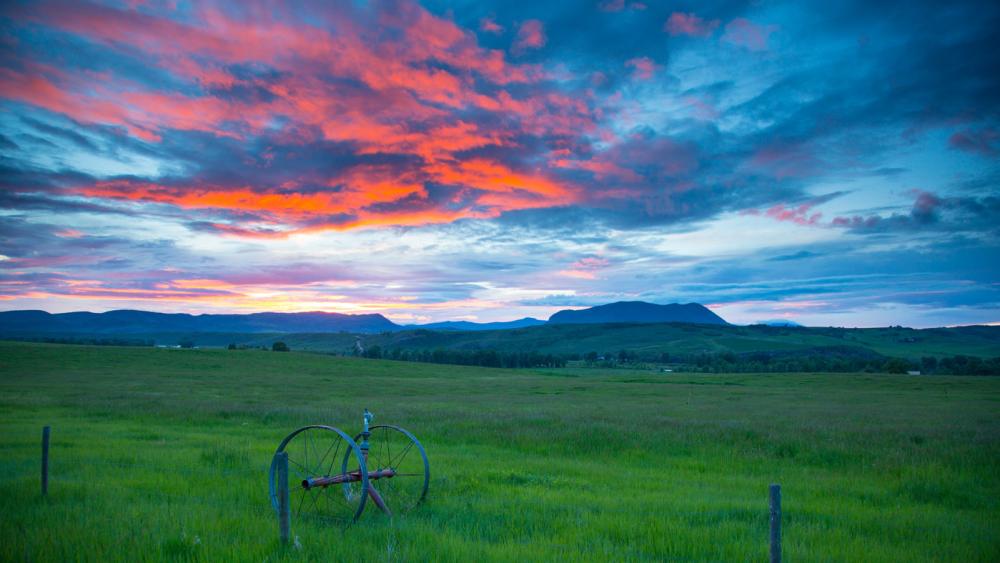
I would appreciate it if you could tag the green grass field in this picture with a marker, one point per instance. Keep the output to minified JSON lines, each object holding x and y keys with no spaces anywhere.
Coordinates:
{"x":162,"y":455}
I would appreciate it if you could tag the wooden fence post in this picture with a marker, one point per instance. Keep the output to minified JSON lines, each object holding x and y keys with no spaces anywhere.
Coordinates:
{"x":283,"y":508}
{"x":775,"y":523}
{"x":45,"y":460}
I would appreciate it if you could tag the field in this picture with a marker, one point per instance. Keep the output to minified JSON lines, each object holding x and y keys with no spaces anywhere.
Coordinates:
{"x":161,"y":454}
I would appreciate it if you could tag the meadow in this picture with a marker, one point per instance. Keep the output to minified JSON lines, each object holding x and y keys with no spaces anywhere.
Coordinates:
{"x":162,"y":454}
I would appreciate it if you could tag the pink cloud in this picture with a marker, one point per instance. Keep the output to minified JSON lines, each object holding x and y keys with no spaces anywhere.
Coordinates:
{"x":799,"y":215}
{"x":585,"y":268}
{"x":689,"y":24}
{"x":531,"y":35}
{"x":926,"y":206}
{"x":985,"y":142}
{"x":642,"y":67}
{"x":490,"y":25}
{"x":578,"y":274}
{"x":744,"y":33}
{"x":926,"y":201}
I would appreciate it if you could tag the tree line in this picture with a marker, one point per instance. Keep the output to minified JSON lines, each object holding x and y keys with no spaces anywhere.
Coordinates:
{"x":777,"y":362}
{"x":484,"y":358}
{"x":840,"y":361}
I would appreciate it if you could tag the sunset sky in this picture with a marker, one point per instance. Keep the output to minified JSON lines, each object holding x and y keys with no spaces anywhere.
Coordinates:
{"x":834,"y":163}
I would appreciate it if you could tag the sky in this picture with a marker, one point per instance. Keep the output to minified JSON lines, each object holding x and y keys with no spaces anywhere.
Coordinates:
{"x":831,"y":163}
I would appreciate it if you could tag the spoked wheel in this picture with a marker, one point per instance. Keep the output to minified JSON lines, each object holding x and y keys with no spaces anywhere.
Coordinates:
{"x":398,"y":470}
{"x":327,"y":478}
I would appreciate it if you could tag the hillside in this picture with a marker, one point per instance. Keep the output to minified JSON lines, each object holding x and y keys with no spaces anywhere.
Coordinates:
{"x":639,"y":312}
{"x":675,"y":339}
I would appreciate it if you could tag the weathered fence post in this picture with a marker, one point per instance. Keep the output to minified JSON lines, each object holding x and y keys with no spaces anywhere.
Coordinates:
{"x":45,"y":460}
{"x":775,"y":523}
{"x":283,"y":509}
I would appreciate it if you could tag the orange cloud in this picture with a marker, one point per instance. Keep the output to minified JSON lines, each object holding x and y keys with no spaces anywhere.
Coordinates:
{"x":358,"y":197}
{"x":415,"y":87}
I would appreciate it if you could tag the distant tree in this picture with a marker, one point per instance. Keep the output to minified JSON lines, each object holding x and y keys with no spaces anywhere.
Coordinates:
{"x":928,"y":364}
{"x":374,"y":352}
{"x":186,"y":343}
{"x":280,"y":347}
{"x":231,"y":346}
{"x":896,"y":365}
{"x":591,"y":357}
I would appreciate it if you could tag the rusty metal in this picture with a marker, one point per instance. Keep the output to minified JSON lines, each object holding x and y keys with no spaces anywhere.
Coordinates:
{"x":377,"y":498}
{"x":351,"y":477}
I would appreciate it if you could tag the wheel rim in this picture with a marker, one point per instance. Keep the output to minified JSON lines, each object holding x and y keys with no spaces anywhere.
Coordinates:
{"x":321,"y":451}
{"x":392,"y":447}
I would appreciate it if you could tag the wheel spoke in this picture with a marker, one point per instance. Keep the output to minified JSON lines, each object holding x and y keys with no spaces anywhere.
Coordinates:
{"x":302,"y":499}
{"x":294,"y":463}
{"x":402,"y":456}
{"x":334,"y":459}
{"x":323,"y":459}
{"x":315,"y":496}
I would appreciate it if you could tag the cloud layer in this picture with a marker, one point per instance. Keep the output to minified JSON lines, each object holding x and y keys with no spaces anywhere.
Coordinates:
{"x":503,"y":159}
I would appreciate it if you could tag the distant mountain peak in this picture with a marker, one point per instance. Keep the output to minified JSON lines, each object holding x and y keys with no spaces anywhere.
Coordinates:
{"x":639,"y":312}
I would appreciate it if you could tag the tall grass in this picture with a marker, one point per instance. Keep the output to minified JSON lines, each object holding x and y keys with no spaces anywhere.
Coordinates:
{"x":162,"y":455}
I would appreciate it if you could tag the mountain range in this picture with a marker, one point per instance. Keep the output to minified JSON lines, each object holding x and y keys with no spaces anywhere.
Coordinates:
{"x":130,"y":322}
{"x":143,"y":322}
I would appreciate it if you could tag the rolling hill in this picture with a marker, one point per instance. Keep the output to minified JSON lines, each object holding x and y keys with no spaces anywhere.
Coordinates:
{"x":646,"y":340}
{"x":639,"y":312}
